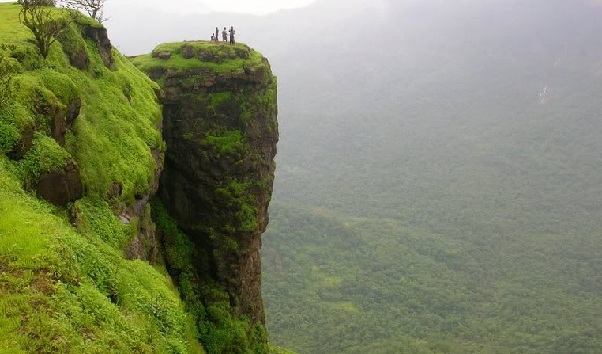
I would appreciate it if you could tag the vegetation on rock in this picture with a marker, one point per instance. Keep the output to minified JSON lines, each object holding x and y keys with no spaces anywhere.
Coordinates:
{"x":73,"y":109}
{"x":218,"y":57}
{"x":220,"y":130}
{"x":65,"y":289}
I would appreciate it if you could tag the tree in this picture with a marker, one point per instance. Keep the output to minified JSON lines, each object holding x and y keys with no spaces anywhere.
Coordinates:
{"x":37,"y":16}
{"x":94,"y":8}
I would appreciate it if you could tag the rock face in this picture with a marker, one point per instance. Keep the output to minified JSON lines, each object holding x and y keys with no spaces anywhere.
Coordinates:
{"x":219,"y":123}
{"x":99,"y":35}
{"x":60,"y":187}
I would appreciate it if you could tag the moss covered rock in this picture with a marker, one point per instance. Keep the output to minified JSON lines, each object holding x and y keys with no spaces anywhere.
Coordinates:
{"x":220,"y":127}
{"x":80,"y":129}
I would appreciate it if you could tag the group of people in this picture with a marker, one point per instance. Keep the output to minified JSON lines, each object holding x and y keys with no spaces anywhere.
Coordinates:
{"x":225,"y":33}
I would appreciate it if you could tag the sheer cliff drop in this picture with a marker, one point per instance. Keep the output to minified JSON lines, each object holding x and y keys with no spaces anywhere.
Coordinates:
{"x":220,"y":126}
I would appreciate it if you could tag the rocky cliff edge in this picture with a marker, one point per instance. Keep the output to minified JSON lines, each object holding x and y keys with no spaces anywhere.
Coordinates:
{"x":220,"y":127}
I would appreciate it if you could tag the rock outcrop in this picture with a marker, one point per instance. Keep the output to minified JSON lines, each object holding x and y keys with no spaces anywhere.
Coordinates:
{"x":220,"y":127}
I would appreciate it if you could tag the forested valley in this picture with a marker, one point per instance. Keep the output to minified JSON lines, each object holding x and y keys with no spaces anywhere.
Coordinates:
{"x":439,"y":180}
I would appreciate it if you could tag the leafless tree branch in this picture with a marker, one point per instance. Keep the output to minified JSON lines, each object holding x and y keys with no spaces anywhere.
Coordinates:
{"x":94,"y":8}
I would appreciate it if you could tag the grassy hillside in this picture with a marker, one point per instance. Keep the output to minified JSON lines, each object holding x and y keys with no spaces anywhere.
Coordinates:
{"x":66,"y":289}
{"x":68,"y":292}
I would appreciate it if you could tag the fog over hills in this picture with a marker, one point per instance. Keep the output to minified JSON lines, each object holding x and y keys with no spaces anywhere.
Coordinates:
{"x":439,"y":179}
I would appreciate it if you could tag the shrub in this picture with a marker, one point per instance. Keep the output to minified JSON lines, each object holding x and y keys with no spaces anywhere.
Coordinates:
{"x":44,"y":156}
{"x":8,"y":67}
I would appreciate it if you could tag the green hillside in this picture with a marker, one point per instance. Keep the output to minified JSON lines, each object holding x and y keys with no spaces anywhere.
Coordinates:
{"x":66,"y":289}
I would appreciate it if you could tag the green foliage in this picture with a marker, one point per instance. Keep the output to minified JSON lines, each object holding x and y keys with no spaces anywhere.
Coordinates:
{"x":179,"y":250}
{"x":61,"y":289}
{"x":364,"y":285}
{"x":218,"y":57}
{"x":219,"y":98}
{"x":96,"y":218}
{"x":66,"y":292}
{"x":119,"y":114}
{"x":45,"y":156}
{"x":71,"y":290}
{"x":456,"y":166}
{"x":225,"y":142}
{"x":218,"y":327}
{"x":237,"y":197}
{"x":9,"y":133}
{"x":124,"y":129}
{"x":8,"y":67}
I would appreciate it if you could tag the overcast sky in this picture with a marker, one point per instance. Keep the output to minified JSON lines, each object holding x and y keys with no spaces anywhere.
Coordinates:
{"x":257,"y":7}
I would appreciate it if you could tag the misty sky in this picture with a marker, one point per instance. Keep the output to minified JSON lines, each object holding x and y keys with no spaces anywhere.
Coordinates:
{"x":257,"y":7}
{"x":240,"y":6}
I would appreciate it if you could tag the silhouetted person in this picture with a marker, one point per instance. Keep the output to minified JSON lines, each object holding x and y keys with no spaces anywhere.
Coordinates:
{"x":216,"y":34}
{"x":212,"y":37}
{"x":225,"y":35}
{"x":232,"y":35}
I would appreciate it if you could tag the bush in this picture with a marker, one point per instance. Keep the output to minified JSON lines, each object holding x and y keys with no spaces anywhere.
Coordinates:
{"x":8,"y":67}
{"x":45,"y":155}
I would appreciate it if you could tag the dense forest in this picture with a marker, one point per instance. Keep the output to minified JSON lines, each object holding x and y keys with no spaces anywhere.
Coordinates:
{"x":438,"y":187}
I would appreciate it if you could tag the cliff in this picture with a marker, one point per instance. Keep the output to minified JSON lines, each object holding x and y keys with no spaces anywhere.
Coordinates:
{"x":220,"y":127}
{"x":88,"y":255}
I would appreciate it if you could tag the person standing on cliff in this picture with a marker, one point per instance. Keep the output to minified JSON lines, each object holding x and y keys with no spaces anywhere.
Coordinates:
{"x":216,"y":34}
{"x":232,"y":35}
{"x":225,"y":35}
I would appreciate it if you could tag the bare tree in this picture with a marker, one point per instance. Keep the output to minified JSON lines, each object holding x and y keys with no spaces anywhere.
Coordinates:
{"x":94,"y":8}
{"x":37,"y":16}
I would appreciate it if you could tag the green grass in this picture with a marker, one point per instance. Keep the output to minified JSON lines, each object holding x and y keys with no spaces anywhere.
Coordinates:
{"x":63,"y":291}
{"x":220,"y":328}
{"x":226,"y":142}
{"x":44,"y":156}
{"x":119,"y":114}
{"x":124,"y":130}
{"x":66,"y":289}
{"x":10,"y":32}
{"x":233,"y":58}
